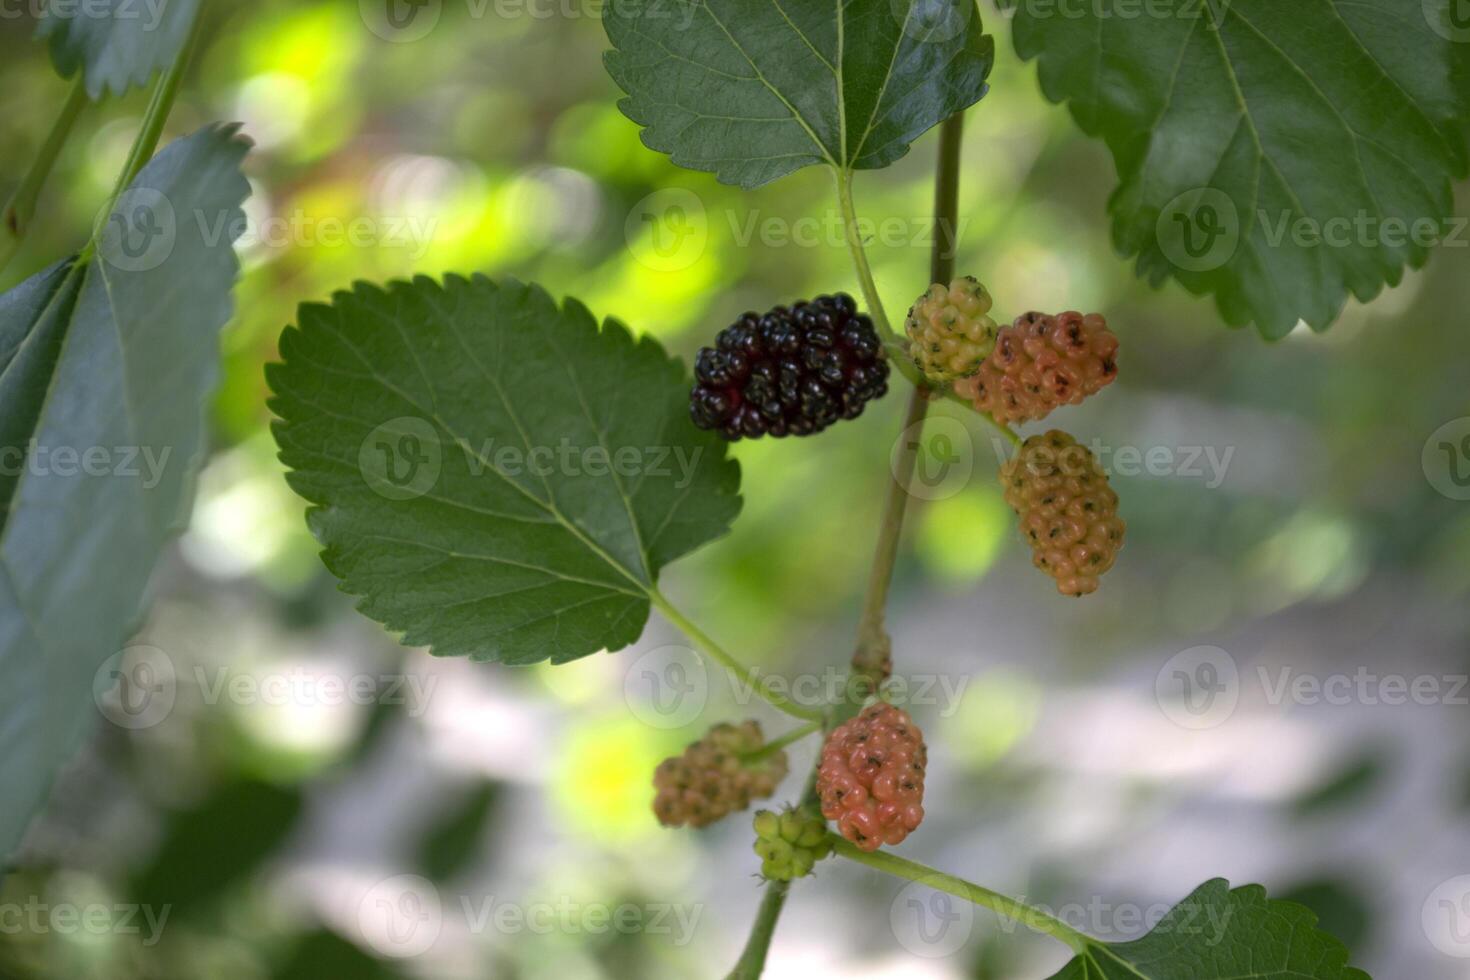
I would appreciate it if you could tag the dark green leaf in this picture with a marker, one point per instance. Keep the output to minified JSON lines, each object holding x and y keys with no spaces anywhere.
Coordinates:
{"x":115,"y":43}
{"x":454,"y":440}
{"x":1246,"y":130}
{"x":754,"y":89}
{"x":106,"y":360}
{"x":1221,"y":934}
{"x":451,"y":844}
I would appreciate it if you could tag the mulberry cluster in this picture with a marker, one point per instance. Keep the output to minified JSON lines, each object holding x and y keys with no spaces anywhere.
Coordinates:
{"x":716,"y":776}
{"x":1068,"y":512}
{"x":871,"y":777}
{"x":790,"y":843}
{"x":1041,"y":362}
{"x":792,"y":372}
{"x":951,"y":330}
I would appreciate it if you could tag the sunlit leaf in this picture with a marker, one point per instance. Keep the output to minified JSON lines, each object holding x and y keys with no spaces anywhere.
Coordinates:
{"x":494,"y":475}
{"x":1275,"y":155}
{"x":754,"y":89}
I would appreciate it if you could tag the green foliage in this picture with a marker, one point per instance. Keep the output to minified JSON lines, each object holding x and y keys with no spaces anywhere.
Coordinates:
{"x":493,"y":475}
{"x":116,"y":44}
{"x":1221,"y":934}
{"x":755,"y":89}
{"x":103,"y":354}
{"x":452,"y":842}
{"x":1251,"y":117}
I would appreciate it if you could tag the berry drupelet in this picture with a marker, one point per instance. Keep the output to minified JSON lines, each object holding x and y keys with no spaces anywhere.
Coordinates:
{"x":791,"y":372}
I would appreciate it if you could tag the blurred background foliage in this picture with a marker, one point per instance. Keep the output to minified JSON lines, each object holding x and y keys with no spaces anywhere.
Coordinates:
{"x":494,"y":144}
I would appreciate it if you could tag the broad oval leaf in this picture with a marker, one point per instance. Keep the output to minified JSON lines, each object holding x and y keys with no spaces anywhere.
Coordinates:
{"x":755,"y":89}
{"x":105,"y":364}
{"x":1221,"y":934}
{"x":1275,"y":155}
{"x":116,"y":44}
{"x":494,"y":475}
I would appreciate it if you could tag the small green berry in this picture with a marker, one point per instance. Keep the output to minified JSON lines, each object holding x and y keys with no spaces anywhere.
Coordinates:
{"x":790,"y":844}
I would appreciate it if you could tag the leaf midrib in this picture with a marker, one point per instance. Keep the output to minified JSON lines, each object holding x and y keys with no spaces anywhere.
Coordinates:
{"x":849,"y":157}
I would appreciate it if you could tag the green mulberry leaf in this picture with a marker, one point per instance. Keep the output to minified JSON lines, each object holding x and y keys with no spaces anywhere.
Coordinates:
{"x":116,"y":44}
{"x":105,"y":364}
{"x":1221,"y":934}
{"x":755,"y":89}
{"x":455,"y":440}
{"x":1275,"y":155}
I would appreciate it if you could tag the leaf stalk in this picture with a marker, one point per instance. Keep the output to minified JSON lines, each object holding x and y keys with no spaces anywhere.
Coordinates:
{"x":20,"y":210}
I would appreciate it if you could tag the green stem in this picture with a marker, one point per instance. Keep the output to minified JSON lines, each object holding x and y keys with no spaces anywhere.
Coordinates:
{"x":155,"y":117}
{"x":860,"y":257}
{"x":15,"y":220}
{"x":873,"y":646}
{"x":941,"y":264}
{"x":1003,"y":905}
{"x":750,"y":675}
{"x":947,"y":199}
{"x":790,"y":738}
{"x":752,"y":960}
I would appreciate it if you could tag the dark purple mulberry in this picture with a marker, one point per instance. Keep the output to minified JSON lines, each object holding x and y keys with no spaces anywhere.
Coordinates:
{"x":792,"y":372}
